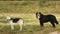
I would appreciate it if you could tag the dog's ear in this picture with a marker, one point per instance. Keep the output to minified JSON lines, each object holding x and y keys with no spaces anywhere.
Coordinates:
{"x":36,"y":14}
{"x":40,"y":13}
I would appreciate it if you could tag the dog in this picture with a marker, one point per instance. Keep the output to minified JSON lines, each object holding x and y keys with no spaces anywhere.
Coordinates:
{"x":12,"y":21}
{"x":46,"y":18}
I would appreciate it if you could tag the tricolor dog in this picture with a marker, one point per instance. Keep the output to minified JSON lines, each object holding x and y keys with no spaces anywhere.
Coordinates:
{"x":46,"y":18}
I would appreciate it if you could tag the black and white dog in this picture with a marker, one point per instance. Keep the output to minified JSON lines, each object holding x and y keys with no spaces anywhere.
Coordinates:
{"x":12,"y":21}
{"x":46,"y":18}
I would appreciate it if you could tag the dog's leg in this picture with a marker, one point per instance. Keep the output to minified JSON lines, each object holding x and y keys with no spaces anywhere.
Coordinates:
{"x":20,"y":27}
{"x":53,"y":24}
{"x":12,"y":25}
{"x":21,"y":24}
{"x":41,"y":23}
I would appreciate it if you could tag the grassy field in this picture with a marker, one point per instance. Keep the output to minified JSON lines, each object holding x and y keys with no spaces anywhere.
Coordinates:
{"x":27,"y":10}
{"x":31,"y":25}
{"x":29,"y":7}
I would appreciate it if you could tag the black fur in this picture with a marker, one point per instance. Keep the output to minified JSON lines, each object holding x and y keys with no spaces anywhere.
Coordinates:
{"x":15,"y":20}
{"x":47,"y":18}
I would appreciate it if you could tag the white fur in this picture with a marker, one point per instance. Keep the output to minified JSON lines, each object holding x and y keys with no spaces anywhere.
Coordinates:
{"x":20,"y":22}
{"x":38,"y":15}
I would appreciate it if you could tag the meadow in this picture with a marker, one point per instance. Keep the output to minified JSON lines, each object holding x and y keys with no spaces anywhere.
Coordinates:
{"x":27,"y":10}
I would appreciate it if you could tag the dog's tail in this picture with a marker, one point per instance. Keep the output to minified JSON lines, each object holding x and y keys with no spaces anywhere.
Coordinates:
{"x":56,"y":22}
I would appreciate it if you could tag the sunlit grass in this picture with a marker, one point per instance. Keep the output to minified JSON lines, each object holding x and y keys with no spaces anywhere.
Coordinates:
{"x":31,"y":25}
{"x":27,"y":10}
{"x":28,"y":7}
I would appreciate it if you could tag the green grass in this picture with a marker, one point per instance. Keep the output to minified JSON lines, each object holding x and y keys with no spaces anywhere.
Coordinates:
{"x":27,"y":10}
{"x":29,"y":7}
{"x":31,"y":25}
{"x":31,"y":29}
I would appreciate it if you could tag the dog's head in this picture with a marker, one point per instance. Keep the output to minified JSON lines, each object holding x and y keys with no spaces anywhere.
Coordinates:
{"x":38,"y":15}
{"x":8,"y":17}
